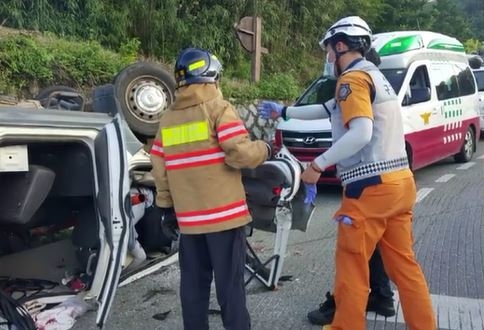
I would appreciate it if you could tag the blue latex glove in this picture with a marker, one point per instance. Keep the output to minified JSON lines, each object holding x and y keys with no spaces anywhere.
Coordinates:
{"x":311,"y":192}
{"x":269,"y":109}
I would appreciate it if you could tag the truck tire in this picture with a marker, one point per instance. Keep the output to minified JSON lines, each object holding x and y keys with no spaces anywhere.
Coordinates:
{"x":144,"y":90}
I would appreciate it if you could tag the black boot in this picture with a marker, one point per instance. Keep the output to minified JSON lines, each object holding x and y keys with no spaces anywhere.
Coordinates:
{"x":380,"y":305}
{"x":325,"y":313}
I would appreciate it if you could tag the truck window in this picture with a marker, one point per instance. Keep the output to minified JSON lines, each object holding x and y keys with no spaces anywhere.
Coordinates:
{"x":395,"y":77}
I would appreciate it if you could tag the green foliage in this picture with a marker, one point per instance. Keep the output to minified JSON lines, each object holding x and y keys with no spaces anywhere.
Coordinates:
{"x":240,"y":90}
{"x":26,"y":60}
{"x":276,"y":87}
{"x":472,"y":46}
{"x":448,"y":18}
{"x":280,"y":86}
{"x":22,"y":60}
{"x":474,"y":12}
{"x":129,"y":50}
{"x":161,"y":28}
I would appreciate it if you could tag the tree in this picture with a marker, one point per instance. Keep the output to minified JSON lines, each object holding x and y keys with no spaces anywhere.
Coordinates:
{"x":403,"y":15}
{"x":474,"y":10}
{"x":448,"y":18}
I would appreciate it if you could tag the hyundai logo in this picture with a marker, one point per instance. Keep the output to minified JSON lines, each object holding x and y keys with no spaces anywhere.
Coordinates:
{"x":309,"y":140}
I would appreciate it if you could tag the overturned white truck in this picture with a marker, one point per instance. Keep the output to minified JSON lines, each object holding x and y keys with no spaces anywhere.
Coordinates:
{"x":76,"y":196}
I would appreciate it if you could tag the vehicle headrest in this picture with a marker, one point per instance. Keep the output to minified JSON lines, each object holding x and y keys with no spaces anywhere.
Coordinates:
{"x":475,"y":61}
{"x":104,"y":100}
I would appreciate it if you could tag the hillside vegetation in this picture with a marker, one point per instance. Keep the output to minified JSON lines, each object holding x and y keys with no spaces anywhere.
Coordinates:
{"x":85,"y":42}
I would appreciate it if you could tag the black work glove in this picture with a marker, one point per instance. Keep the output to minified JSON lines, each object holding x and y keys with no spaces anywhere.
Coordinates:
{"x":169,"y":223}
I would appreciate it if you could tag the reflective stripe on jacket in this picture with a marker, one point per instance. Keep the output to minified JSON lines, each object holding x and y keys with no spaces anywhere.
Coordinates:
{"x":197,"y":155}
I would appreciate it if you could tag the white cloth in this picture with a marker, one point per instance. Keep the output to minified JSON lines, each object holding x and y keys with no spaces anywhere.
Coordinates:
{"x":61,"y":317}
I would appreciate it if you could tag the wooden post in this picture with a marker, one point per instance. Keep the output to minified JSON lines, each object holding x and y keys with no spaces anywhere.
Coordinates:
{"x":249,"y":33}
{"x":256,"y":54}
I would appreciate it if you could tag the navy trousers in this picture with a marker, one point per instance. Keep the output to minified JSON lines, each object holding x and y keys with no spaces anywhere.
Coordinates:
{"x":203,"y":256}
{"x":379,"y":281}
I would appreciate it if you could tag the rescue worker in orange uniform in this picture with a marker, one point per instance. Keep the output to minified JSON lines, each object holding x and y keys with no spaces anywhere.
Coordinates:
{"x":379,"y":189}
{"x":380,"y":299}
{"x":197,"y":155}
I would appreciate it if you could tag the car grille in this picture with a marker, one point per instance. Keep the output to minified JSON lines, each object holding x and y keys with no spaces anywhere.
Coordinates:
{"x":307,"y":140}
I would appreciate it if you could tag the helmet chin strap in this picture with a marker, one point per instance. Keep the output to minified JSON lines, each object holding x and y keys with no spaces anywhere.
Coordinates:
{"x":338,"y":55}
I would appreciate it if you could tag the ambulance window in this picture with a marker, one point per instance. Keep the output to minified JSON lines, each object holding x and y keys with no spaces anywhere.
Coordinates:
{"x":419,"y":88}
{"x":420,"y":78}
{"x":395,"y":77}
{"x":444,"y":78}
{"x":480,"y":80}
{"x":465,"y":80}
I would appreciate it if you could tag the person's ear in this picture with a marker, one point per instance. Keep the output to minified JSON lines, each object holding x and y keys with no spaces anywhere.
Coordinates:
{"x":340,"y":47}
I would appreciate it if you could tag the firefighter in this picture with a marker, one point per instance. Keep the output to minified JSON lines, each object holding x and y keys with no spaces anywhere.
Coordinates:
{"x":379,"y":189}
{"x":197,"y":155}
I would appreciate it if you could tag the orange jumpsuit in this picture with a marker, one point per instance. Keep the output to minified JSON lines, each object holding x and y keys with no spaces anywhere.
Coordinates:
{"x":376,"y":208}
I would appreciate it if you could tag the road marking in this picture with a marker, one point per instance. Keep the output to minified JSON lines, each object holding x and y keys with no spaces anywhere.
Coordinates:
{"x":422,"y":193}
{"x":480,"y":157}
{"x":445,"y":178}
{"x":452,"y":312}
{"x":466,"y":166}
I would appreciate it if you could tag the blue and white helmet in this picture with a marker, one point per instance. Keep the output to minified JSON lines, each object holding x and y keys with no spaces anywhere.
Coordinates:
{"x":196,"y":66}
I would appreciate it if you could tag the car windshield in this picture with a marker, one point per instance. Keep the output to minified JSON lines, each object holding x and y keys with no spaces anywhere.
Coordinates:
{"x":319,"y":92}
{"x":480,"y":80}
{"x":395,"y":77}
{"x":310,"y":95}
{"x":316,"y":93}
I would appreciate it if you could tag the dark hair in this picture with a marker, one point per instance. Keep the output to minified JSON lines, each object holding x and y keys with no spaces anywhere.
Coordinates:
{"x":373,"y":56}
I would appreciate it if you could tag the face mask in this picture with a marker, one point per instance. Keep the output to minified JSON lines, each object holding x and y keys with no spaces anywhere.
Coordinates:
{"x":329,"y":70}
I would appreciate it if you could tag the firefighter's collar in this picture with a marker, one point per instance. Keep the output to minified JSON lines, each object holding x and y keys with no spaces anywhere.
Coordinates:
{"x":195,"y":94}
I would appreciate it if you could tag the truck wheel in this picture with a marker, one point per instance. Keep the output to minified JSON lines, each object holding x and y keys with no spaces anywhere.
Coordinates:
{"x":51,"y":98}
{"x":144,"y":90}
{"x":467,"y":150}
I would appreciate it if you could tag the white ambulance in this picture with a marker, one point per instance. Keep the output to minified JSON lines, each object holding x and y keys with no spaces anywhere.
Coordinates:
{"x":430,"y":73}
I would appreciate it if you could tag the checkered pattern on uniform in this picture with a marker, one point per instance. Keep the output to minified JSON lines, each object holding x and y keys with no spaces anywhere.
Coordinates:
{"x":374,"y":168}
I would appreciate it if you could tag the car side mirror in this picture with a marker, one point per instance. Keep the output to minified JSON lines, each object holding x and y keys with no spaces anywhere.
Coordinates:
{"x":419,"y":95}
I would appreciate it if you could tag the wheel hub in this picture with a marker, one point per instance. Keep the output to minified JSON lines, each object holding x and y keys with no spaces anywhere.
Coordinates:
{"x":147,"y":100}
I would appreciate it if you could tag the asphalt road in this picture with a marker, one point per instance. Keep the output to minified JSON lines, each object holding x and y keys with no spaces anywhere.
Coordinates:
{"x":449,"y":242}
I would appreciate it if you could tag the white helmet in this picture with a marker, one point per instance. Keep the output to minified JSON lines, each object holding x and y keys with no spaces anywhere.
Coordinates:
{"x":351,"y":30}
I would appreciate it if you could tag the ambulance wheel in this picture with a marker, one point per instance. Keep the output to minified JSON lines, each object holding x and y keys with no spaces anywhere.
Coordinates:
{"x":467,"y":151}
{"x":144,"y":90}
